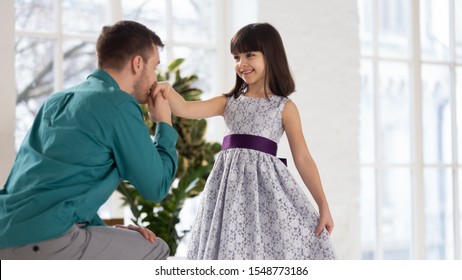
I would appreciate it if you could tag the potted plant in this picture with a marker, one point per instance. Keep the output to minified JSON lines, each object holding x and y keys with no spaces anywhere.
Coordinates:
{"x":195,"y":161}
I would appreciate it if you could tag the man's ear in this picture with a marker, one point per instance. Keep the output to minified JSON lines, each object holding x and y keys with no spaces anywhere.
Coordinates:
{"x":137,"y":64}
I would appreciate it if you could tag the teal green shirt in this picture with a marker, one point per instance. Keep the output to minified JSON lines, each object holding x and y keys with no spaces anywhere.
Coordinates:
{"x":83,"y":142}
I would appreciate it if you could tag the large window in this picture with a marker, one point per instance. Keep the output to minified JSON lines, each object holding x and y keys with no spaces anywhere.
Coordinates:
{"x":411,"y":142}
{"x":55,"y":43}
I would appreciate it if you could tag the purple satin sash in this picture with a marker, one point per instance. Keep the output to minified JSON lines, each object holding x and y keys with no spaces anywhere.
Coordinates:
{"x":253,"y":142}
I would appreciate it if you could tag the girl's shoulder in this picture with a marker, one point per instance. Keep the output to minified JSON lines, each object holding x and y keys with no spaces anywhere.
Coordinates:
{"x":290,"y":111}
{"x":281,"y":101}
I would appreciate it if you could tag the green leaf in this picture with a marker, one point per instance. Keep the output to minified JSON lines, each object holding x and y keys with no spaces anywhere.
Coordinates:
{"x":175,"y":65}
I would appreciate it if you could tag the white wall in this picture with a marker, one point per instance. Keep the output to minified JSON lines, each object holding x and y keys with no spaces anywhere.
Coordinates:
{"x":321,"y":40}
{"x":7,"y":95}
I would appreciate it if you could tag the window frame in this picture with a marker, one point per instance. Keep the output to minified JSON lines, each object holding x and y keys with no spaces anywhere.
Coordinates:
{"x":417,"y":164}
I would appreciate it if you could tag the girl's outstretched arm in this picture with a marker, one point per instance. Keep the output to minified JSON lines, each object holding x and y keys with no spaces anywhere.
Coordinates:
{"x":306,"y":165}
{"x":190,"y":109}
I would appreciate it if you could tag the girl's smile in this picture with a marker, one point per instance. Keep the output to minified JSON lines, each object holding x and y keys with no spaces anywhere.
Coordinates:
{"x":246,"y":71}
{"x":250,"y":66}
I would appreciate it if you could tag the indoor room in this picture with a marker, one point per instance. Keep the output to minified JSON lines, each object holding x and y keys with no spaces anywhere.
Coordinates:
{"x":378,"y":85}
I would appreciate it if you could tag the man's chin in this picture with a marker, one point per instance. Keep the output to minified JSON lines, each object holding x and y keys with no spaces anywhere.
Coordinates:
{"x":142,"y":101}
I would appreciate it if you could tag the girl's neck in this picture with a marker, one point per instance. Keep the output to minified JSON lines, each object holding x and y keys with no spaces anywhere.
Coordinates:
{"x":258,"y":92}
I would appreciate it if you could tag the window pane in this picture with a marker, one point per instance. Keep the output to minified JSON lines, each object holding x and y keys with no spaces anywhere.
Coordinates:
{"x":394,"y":112}
{"x":79,"y":61}
{"x":37,"y":15}
{"x":367,"y":133}
{"x":193,"y":20}
{"x":396,"y":213}
{"x":94,"y":13}
{"x":366,"y":26}
{"x":439,"y":225}
{"x":436,"y":97}
{"x":368,"y":214}
{"x":201,"y":63}
{"x":394,"y":28}
{"x":153,"y":14}
{"x":434,"y":29}
{"x":34,"y":80}
{"x":458,"y":29}
{"x":459,"y":112}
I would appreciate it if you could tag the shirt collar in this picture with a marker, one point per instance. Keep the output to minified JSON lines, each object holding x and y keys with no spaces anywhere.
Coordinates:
{"x":103,"y":75}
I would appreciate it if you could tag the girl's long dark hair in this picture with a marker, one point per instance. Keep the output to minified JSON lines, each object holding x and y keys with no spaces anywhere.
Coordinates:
{"x":264,"y":38}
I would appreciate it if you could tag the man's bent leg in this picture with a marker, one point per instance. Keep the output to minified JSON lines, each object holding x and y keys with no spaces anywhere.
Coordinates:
{"x":117,"y":243}
{"x":69,"y":246}
{"x":96,"y":242}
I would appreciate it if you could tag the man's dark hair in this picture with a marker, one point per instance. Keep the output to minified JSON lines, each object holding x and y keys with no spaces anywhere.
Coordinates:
{"x":122,"y":41}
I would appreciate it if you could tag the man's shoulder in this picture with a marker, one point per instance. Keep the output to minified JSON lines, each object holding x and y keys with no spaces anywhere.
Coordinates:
{"x":97,"y":93}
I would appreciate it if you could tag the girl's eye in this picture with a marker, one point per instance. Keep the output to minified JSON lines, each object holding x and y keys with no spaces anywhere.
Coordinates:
{"x":236,"y":57}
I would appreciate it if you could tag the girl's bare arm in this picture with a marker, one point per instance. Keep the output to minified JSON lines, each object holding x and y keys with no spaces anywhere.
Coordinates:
{"x":305,"y":164}
{"x":190,"y":109}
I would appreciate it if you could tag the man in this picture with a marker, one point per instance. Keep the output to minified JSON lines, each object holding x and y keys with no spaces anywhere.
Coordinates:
{"x":83,"y":142}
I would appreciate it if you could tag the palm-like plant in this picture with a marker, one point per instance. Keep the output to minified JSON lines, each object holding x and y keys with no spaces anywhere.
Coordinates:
{"x":195,"y":161}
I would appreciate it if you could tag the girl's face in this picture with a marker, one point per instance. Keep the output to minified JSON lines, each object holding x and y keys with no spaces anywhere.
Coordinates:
{"x":250,"y":66}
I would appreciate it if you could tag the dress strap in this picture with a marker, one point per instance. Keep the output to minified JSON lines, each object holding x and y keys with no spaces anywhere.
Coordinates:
{"x":253,"y":142}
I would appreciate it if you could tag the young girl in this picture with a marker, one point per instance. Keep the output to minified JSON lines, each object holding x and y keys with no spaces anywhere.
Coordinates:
{"x":252,"y":207}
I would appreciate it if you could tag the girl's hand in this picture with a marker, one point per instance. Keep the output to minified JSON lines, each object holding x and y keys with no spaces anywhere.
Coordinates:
{"x":162,"y":88}
{"x":325,"y":221}
{"x":146,"y":233}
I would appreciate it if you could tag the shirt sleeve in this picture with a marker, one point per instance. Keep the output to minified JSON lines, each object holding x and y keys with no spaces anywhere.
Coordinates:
{"x":148,"y":165}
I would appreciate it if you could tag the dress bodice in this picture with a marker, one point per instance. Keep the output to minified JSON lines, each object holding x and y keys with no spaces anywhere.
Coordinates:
{"x":255,"y":116}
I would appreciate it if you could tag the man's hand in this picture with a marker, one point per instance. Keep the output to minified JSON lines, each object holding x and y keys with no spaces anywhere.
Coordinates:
{"x":159,"y":108}
{"x":146,"y":233}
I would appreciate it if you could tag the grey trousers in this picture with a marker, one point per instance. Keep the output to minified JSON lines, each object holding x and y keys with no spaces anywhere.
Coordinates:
{"x":91,"y":243}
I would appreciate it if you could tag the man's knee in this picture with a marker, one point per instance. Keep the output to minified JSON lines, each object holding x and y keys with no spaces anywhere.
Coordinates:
{"x":161,"y":250}
{"x":165,"y":248}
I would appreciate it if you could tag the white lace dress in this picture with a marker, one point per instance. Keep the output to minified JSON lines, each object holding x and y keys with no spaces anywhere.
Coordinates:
{"x":252,"y":207}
